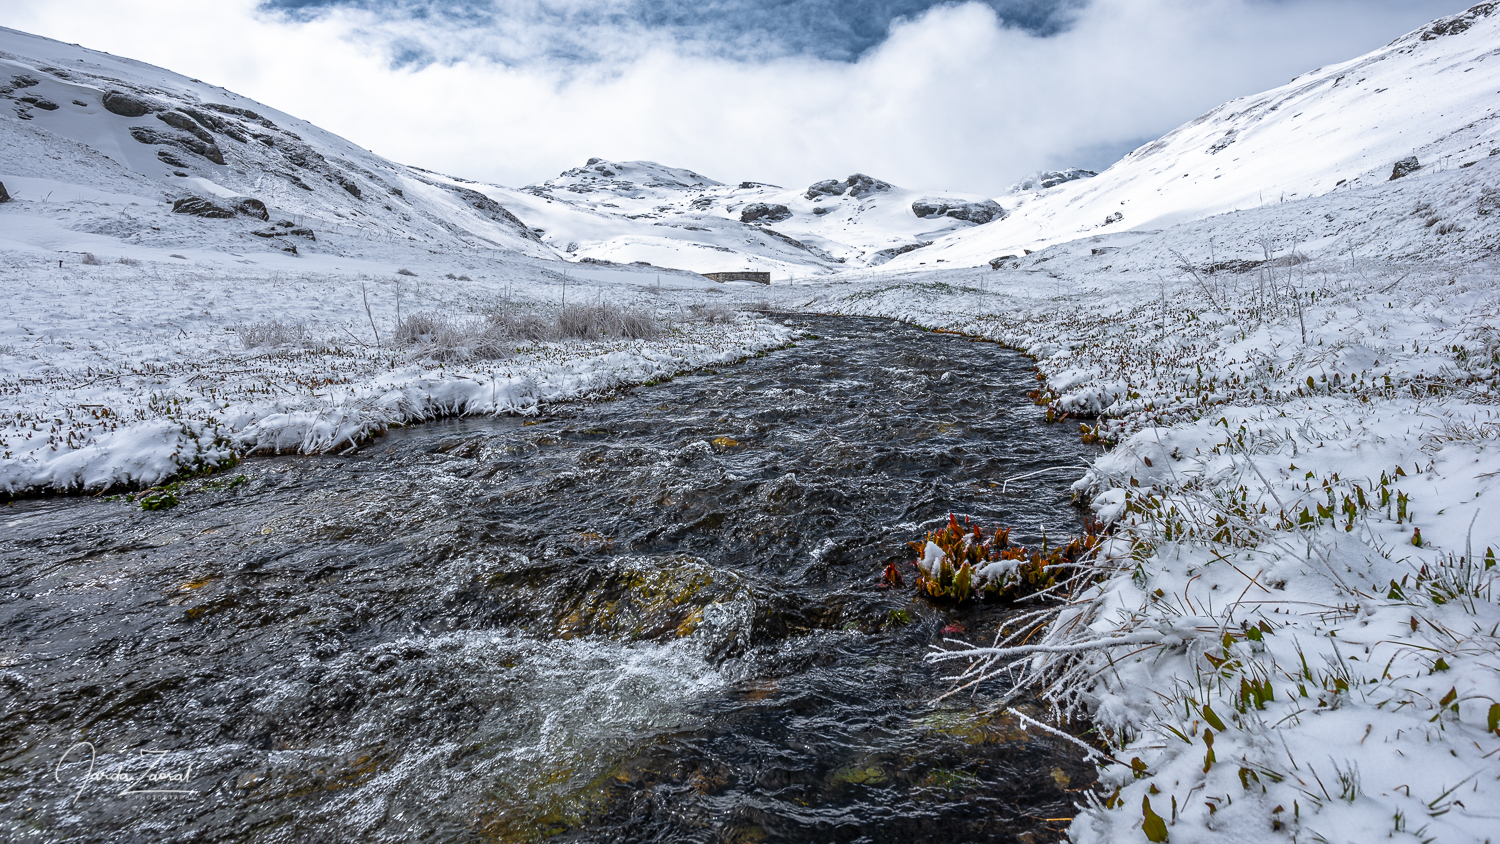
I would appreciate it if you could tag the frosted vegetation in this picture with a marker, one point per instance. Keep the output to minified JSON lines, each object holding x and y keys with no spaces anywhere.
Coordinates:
{"x":141,"y":375}
{"x":1293,"y":627}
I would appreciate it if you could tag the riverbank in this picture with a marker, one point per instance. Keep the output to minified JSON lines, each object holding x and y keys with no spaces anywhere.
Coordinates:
{"x":120,"y":374}
{"x":1295,"y":632}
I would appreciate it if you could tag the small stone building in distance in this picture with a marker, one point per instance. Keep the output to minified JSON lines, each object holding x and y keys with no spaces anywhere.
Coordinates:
{"x":759,"y":278}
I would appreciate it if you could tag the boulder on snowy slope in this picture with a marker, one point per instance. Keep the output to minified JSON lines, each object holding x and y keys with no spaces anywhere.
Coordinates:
{"x":827,"y":187}
{"x":251,"y":207}
{"x":4,"y":196}
{"x":40,"y":102}
{"x":885,"y":255}
{"x":199,"y":206}
{"x":757,"y":211}
{"x":129,"y":105}
{"x":1405,"y":167}
{"x":1044,"y":179}
{"x":978,"y":213}
{"x":856,"y":185}
{"x":862,"y":185}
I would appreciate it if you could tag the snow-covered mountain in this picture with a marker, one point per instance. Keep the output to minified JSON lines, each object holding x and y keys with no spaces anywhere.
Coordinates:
{"x":642,"y":211}
{"x":106,"y":154}
{"x":100,"y":149}
{"x":1433,"y":94}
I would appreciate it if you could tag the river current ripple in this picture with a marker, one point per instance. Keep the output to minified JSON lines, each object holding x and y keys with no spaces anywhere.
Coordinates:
{"x":657,"y":617}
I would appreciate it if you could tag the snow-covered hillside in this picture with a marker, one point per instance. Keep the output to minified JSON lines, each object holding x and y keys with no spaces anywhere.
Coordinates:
{"x":642,"y":211}
{"x":99,"y":152}
{"x":95,"y":150}
{"x":1433,"y":94}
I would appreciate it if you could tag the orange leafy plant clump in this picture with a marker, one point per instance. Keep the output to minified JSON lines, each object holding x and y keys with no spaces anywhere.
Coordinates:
{"x":959,"y":562}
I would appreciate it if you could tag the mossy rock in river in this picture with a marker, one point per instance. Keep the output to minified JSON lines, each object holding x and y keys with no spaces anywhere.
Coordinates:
{"x":644,"y":598}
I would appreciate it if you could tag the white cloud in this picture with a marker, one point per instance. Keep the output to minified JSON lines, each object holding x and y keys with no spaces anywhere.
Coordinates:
{"x":952,"y":100}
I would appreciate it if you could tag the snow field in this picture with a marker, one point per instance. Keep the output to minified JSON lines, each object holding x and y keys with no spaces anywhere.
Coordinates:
{"x":125,"y":374}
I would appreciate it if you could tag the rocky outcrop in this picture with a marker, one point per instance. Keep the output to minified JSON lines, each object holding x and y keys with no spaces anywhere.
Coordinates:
{"x":856,"y":185}
{"x":978,"y":213}
{"x":4,"y":195}
{"x":763,"y":212}
{"x":885,"y":255}
{"x":128,"y":105}
{"x":251,"y":207}
{"x":862,"y":185}
{"x":492,"y":209}
{"x":285,"y":228}
{"x":191,"y":143}
{"x":827,"y":187}
{"x":213,"y":123}
{"x":240,"y":112}
{"x":198,"y":206}
{"x":1044,"y":179}
{"x":1405,"y":167}
{"x":40,"y":102}
{"x":221,"y":209}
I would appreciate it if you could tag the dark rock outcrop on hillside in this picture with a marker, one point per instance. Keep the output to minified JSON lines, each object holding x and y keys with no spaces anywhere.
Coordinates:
{"x":40,"y":102}
{"x":862,"y":185}
{"x":978,"y":213}
{"x":827,"y":187}
{"x":494,"y":210}
{"x":886,"y":254}
{"x":221,"y":209}
{"x":198,"y":206}
{"x":240,"y":112}
{"x":760,"y":211}
{"x":251,"y":207}
{"x":1044,"y":179}
{"x":1405,"y":167}
{"x":128,"y":105}
{"x":4,"y":196}
{"x":856,"y":185}
{"x":286,"y":228}
{"x":191,"y":143}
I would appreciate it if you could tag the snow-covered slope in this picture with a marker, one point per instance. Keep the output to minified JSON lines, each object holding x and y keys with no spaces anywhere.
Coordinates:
{"x":1433,"y":93}
{"x":642,"y":211}
{"x":96,"y":149}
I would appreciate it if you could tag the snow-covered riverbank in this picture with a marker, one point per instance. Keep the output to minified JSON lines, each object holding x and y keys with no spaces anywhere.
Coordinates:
{"x":118,"y":374}
{"x":1297,"y":631}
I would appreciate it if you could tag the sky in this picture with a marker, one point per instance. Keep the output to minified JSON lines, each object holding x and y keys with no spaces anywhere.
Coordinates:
{"x":960,"y":96}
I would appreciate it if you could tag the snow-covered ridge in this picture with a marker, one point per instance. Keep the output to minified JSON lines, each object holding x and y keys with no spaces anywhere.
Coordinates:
{"x":631,"y":211}
{"x":1429,"y":94}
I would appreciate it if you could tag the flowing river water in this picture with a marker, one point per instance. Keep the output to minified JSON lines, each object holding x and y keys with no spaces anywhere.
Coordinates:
{"x":653,"y":618}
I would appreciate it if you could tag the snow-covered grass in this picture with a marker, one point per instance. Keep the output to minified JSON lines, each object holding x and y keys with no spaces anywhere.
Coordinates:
{"x":1294,"y":631}
{"x":126,"y":374}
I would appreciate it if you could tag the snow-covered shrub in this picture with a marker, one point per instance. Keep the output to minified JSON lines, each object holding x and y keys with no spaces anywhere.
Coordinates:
{"x":273,"y":333}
